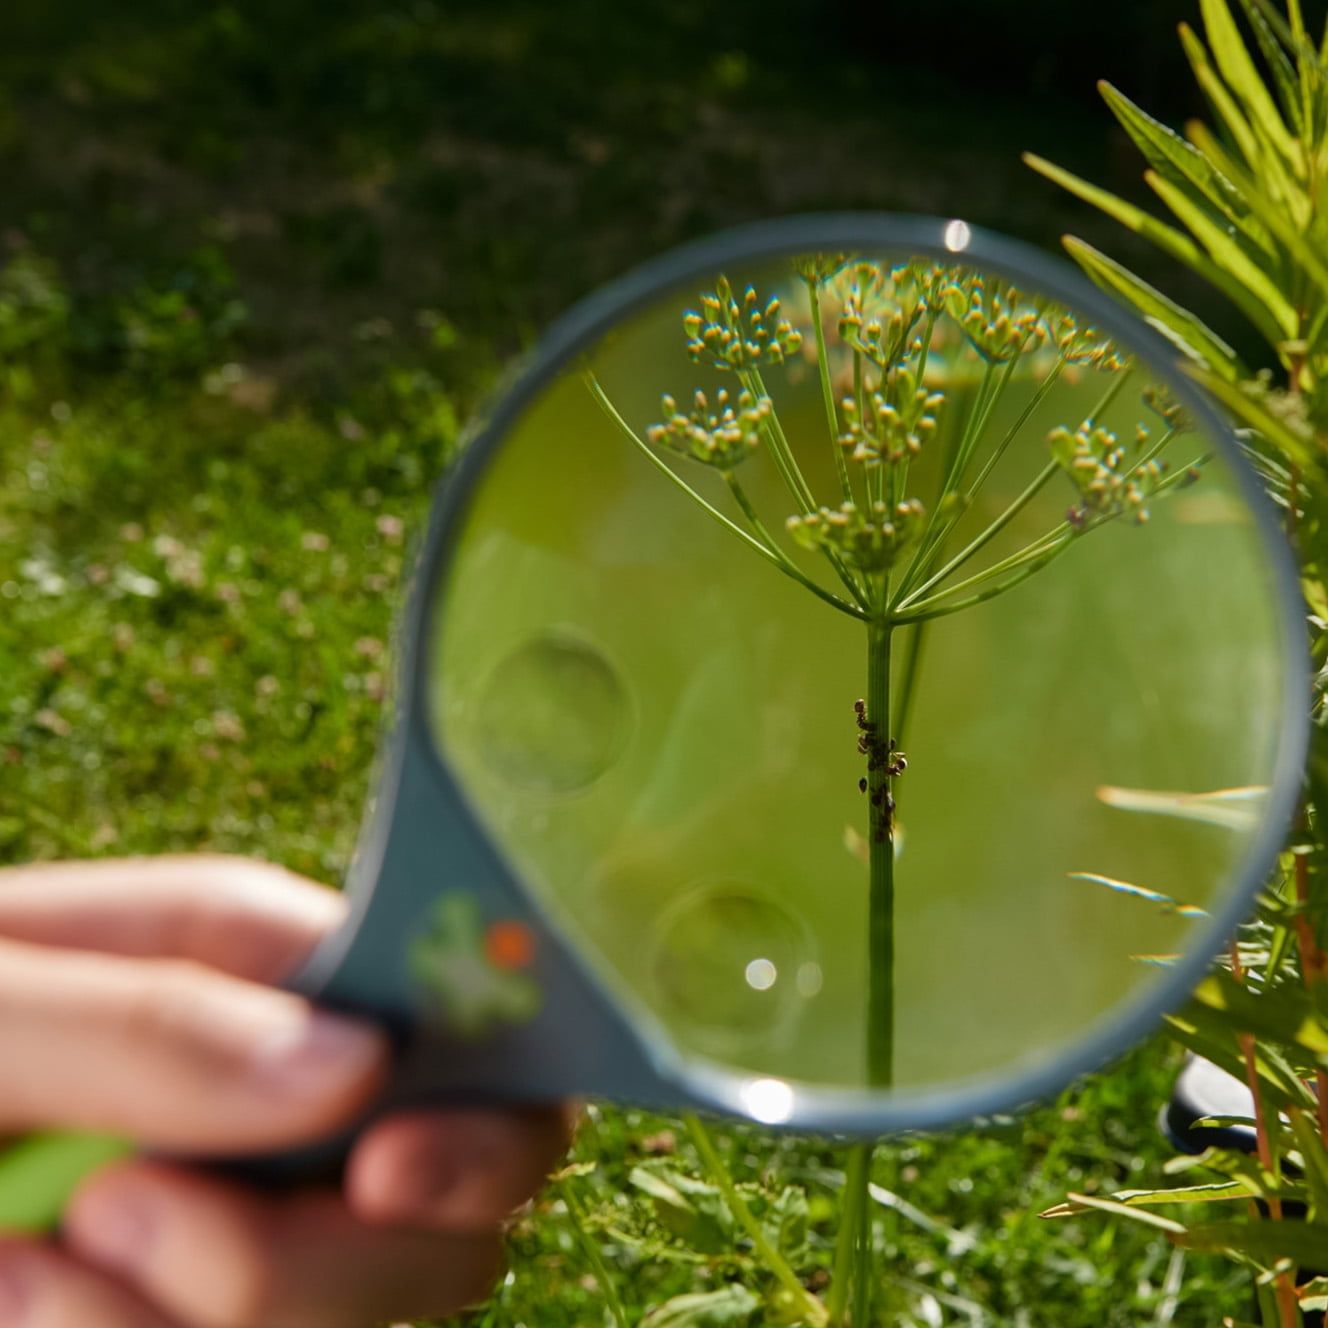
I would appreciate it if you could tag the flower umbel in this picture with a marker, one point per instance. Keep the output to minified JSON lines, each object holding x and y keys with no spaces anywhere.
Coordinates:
{"x":881,"y":313}
{"x":893,"y":424}
{"x":730,"y":335}
{"x":1108,"y":484}
{"x":992,"y":316}
{"x":1167,"y":408}
{"x":867,"y":540}
{"x":722,"y":437}
{"x":1079,"y":343}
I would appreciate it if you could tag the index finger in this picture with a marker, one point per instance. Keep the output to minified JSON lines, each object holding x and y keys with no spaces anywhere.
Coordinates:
{"x":238,"y":915}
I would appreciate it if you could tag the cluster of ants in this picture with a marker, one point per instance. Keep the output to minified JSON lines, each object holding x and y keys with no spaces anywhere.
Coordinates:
{"x":881,"y":755}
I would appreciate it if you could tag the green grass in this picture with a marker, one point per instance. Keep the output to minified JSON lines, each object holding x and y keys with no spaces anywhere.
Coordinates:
{"x":265,"y":266}
{"x":197,"y":603}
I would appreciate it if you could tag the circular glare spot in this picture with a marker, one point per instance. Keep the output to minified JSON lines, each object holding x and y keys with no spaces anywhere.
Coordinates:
{"x":761,"y":974}
{"x":769,"y":1101}
{"x":957,"y":236}
{"x":810,"y":979}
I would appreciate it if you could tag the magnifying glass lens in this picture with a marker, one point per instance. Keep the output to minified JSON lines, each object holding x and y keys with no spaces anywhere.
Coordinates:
{"x":873,"y":670}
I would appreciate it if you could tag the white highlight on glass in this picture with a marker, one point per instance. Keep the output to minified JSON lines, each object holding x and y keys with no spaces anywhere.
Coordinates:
{"x":761,"y":974}
{"x":810,"y":979}
{"x":957,"y":236}
{"x":769,"y":1101}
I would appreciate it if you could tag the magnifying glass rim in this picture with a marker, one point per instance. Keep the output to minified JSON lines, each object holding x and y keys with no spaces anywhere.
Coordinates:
{"x":861,"y":1109}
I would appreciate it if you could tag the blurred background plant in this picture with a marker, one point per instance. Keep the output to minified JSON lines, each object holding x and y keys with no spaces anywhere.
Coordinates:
{"x":1248,"y":197}
{"x":256,"y":262}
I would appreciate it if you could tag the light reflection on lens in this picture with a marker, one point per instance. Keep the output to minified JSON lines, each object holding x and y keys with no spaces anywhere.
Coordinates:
{"x":769,"y":1101}
{"x":761,"y":974}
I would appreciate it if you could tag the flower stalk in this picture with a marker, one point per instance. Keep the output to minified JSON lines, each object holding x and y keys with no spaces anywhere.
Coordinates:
{"x":908,"y":338}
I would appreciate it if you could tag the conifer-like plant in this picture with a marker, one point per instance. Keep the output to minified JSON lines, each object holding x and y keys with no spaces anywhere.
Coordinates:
{"x":1247,"y":197}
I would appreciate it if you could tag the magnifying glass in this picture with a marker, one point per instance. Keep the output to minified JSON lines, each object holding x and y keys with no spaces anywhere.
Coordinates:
{"x":852,"y":682}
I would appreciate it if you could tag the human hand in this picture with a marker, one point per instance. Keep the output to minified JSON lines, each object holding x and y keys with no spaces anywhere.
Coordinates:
{"x":134,"y":1000}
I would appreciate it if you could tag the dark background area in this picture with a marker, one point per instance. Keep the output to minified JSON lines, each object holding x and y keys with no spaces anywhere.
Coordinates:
{"x":309,"y":177}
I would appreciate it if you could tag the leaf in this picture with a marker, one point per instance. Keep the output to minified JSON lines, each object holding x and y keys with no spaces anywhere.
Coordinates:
{"x":1283,"y":1013}
{"x":1233,"y":59}
{"x":1170,"y":241}
{"x":786,"y":1224}
{"x":1232,"y":809}
{"x":1313,"y":1294}
{"x":1265,"y":1242}
{"x":1124,"y":1210}
{"x":574,"y":1170}
{"x":1274,"y":213}
{"x":1220,"y":1190}
{"x":957,"y":1242}
{"x":1233,"y":121}
{"x":1182,"y":328}
{"x":1252,"y":411}
{"x":1167,"y":903}
{"x":1210,"y":1033}
{"x":1275,"y":57}
{"x":1174,"y":157}
{"x":1314,"y":1160}
{"x":704,"y":1309}
{"x":1275,"y":318}
{"x":39,"y":1173}
{"x":690,"y":1209}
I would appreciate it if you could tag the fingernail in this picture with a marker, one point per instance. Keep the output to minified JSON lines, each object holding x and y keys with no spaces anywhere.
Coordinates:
{"x":15,"y":1293}
{"x":115,"y":1230}
{"x":324,"y":1052}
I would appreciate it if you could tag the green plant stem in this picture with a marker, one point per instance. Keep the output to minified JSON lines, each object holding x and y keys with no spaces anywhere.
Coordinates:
{"x":771,"y":554}
{"x":779,"y":444}
{"x":787,"y":465}
{"x":909,"y":681}
{"x":909,"y":591}
{"x":933,"y":535}
{"x":1012,"y":432}
{"x":1031,"y":554}
{"x":827,"y":390}
{"x":863,"y":1283}
{"x":811,"y":1309}
{"x":935,"y":608}
{"x":857,"y":1175}
{"x":881,"y":896}
{"x":1039,"y":482}
{"x":591,"y":1250}
{"x":781,"y":559}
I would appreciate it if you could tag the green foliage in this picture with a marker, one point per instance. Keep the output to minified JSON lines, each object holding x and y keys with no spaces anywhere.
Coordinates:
{"x":1248,"y":198}
{"x":204,"y":520}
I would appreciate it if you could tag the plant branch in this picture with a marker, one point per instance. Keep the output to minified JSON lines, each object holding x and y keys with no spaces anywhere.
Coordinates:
{"x":771,"y":554}
{"x":808,"y":1305}
{"x":593,"y":1256}
{"x":827,"y":390}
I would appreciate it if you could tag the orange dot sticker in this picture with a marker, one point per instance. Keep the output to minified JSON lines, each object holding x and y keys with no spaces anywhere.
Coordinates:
{"x":509,"y":944}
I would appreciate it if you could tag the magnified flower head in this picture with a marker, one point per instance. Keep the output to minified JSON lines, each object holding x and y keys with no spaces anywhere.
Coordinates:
{"x":1108,"y":483}
{"x":881,"y":310}
{"x":1167,"y":408}
{"x":733,"y":334}
{"x":819,"y":268}
{"x":868,"y":540}
{"x":1079,"y":343}
{"x":993,"y":315}
{"x":894,"y":423}
{"x":722,"y":436}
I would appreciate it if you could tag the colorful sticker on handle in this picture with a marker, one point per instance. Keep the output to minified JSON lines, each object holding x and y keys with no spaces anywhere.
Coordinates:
{"x":474,"y":973}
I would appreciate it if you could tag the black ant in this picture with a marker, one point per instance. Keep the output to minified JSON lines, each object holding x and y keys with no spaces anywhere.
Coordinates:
{"x":884,"y":757}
